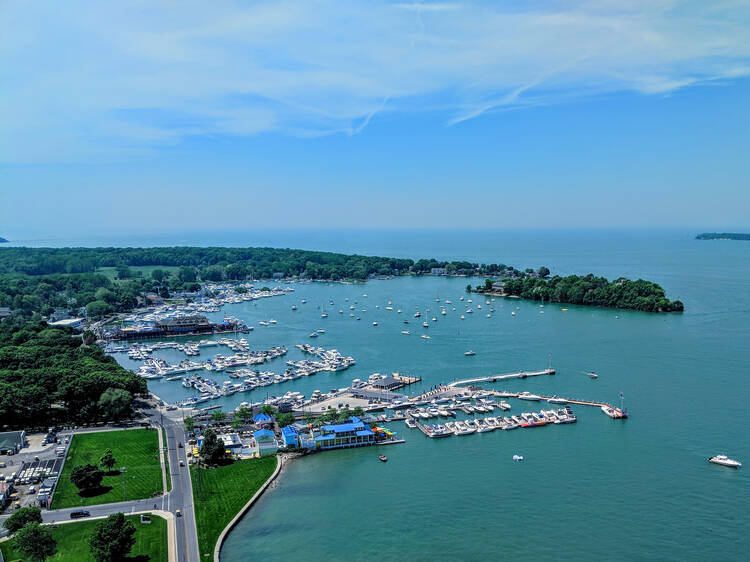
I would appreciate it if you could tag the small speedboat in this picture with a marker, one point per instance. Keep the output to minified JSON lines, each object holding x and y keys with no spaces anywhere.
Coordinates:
{"x":593,"y":375}
{"x":469,"y":353}
{"x":724,"y":460}
{"x":517,"y":457}
{"x":383,"y":458}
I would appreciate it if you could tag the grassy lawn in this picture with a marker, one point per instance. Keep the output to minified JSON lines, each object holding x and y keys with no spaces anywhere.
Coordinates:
{"x":166,"y":459}
{"x":145,"y":270}
{"x":220,"y":493}
{"x":72,"y":542}
{"x":135,"y":449}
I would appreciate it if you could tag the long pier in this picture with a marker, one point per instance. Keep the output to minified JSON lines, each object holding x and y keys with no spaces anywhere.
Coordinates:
{"x":495,"y":378}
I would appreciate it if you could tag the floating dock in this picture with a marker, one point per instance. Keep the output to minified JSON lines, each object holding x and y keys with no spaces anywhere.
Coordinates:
{"x":495,"y":378}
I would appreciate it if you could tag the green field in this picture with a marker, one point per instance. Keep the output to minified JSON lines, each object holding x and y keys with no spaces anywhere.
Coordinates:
{"x":72,"y":541}
{"x":220,"y":493}
{"x":135,"y":449}
{"x":144,"y":270}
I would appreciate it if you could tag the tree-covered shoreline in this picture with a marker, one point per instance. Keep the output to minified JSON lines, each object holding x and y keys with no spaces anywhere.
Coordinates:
{"x":590,"y":290}
{"x":40,"y":280}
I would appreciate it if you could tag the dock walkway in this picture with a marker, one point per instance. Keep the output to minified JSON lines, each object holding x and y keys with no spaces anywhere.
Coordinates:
{"x":495,"y":378}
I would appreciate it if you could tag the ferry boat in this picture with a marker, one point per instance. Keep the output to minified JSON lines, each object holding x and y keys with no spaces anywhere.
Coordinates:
{"x":724,"y":460}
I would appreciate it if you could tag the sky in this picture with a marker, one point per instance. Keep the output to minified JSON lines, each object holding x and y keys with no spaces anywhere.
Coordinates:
{"x":156,"y":116}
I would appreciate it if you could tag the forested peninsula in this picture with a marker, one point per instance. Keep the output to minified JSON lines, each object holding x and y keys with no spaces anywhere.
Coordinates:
{"x":723,"y":236}
{"x":106,"y":280}
{"x":589,"y":290}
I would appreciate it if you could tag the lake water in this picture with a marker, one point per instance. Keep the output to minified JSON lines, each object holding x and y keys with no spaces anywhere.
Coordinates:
{"x":599,"y":489}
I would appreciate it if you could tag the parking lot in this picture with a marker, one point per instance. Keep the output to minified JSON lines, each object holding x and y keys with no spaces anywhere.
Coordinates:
{"x":32,"y":468}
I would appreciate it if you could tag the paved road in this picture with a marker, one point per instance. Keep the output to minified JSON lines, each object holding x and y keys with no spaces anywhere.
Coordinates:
{"x":180,"y":498}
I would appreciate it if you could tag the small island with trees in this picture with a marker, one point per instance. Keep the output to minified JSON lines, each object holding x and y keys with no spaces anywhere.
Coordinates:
{"x":3,"y":240}
{"x":585,"y":290}
{"x":723,"y":236}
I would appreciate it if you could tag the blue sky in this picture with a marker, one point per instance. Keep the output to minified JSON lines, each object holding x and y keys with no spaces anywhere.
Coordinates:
{"x":154,"y":115}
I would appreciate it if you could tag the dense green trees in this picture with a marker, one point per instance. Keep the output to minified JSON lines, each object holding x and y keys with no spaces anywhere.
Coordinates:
{"x":47,"y":376}
{"x":113,"y":539}
{"x":115,"y":403}
{"x":597,"y":291}
{"x":212,"y":448}
{"x":35,"y":542}
{"x":108,"y":460}
{"x":22,"y":517}
{"x":86,"y":477}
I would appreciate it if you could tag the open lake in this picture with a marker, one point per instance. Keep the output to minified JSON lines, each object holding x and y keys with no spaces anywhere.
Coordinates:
{"x":599,"y":489}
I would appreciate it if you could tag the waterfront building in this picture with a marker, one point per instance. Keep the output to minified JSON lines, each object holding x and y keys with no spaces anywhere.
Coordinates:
{"x":263,"y":444}
{"x":354,"y":433}
{"x":5,"y":313}
{"x":438,"y":271}
{"x":498,"y":287}
{"x":231,"y":441}
{"x":184,"y":324}
{"x":289,"y":436}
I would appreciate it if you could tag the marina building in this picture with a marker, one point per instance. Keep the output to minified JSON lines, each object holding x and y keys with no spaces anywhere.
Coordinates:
{"x":354,"y":433}
{"x":438,"y":271}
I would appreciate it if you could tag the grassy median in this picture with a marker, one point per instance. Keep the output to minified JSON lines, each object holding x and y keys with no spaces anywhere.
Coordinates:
{"x":220,"y":493}
{"x":135,"y":449}
{"x":73,"y":541}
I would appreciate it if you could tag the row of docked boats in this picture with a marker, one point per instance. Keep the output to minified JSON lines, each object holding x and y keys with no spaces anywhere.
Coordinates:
{"x":485,"y":425}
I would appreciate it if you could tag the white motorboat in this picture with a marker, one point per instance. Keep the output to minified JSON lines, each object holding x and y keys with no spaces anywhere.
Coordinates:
{"x":405,"y":332}
{"x":724,"y":460}
{"x":529,"y":396}
{"x":469,"y":353}
{"x":557,"y":400}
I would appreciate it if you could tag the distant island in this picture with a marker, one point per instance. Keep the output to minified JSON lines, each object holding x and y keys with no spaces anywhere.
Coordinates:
{"x":722,"y":236}
{"x":2,"y":240}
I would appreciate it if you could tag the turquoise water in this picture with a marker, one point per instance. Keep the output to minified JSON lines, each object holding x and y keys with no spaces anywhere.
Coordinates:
{"x":599,"y":489}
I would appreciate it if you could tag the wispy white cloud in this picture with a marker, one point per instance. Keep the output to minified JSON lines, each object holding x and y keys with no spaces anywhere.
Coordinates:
{"x":113,"y":80}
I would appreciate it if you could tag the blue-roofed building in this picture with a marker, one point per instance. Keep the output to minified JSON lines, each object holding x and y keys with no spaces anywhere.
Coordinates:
{"x":354,"y":433}
{"x":263,"y":420}
{"x":263,"y":443}
{"x":290,"y":436}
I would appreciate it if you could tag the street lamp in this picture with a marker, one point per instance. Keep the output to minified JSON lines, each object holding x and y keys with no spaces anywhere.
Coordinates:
{"x":124,"y":470}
